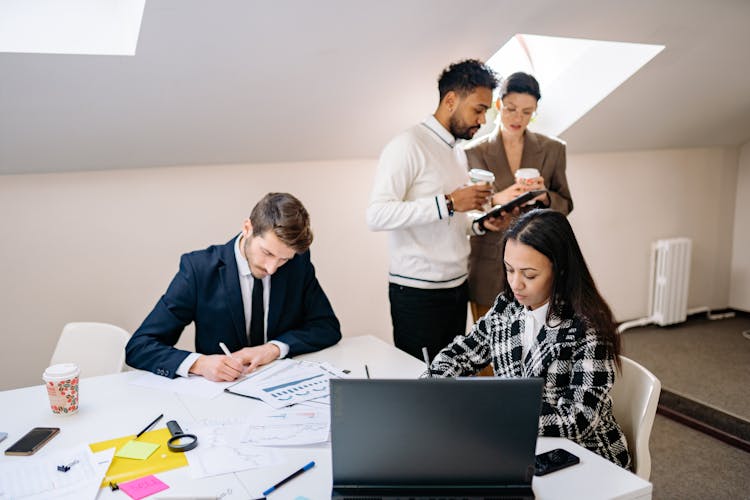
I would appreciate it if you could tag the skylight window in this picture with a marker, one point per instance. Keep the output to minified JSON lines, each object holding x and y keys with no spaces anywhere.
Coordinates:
{"x":574,"y":74}
{"x":94,"y":27}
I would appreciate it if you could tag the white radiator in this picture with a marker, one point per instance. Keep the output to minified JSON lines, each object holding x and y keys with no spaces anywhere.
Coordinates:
{"x":670,"y":277}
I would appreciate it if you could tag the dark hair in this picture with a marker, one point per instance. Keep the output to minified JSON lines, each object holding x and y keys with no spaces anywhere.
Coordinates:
{"x":521,"y":83}
{"x":285,"y":215}
{"x":573,"y":288}
{"x":465,"y":76}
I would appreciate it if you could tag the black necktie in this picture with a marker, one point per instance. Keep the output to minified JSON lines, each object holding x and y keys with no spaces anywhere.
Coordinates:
{"x":256,"y":314}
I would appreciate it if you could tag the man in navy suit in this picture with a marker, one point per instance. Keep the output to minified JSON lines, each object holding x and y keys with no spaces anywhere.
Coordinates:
{"x":256,"y":294}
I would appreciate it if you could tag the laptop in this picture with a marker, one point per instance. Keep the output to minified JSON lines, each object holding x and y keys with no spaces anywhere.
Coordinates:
{"x":467,"y":438}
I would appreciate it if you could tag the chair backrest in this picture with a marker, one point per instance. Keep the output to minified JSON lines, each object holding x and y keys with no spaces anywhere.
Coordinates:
{"x":97,"y":348}
{"x":635,"y":396}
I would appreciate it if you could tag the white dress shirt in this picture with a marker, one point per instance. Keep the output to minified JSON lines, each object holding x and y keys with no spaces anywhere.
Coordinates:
{"x":533,"y":322}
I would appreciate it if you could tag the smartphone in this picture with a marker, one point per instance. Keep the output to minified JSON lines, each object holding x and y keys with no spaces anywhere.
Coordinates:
{"x":508,"y":207}
{"x":553,"y":460}
{"x":32,"y":441}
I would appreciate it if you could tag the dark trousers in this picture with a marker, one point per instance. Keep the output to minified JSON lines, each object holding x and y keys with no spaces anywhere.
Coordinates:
{"x":427,"y":318}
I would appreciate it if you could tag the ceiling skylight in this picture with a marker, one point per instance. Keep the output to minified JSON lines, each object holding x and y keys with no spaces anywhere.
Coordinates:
{"x":95,"y":27}
{"x":574,"y":74}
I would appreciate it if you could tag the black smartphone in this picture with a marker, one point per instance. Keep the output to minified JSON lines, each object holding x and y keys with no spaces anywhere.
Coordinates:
{"x":32,"y":441}
{"x":508,"y":207}
{"x":553,"y":460}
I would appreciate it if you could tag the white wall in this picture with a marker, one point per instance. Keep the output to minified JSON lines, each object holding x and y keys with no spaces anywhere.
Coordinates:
{"x":102,"y":246}
{"x":625,"y":201}
{"x":739,"y":294}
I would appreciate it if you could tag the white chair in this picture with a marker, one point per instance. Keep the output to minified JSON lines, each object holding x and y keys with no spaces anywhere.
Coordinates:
{"x":635,"y":396}
{"x":97,"y":348}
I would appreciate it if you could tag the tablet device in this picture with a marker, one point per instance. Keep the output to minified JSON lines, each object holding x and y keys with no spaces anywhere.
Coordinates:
{"x":508,"y":207}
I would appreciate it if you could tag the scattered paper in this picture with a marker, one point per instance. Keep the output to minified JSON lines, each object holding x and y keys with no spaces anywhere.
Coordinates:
{"x":287,"y":382}
{"x":221,"y":451}
{"x":37,"y":478}
{"x":194,"y":385}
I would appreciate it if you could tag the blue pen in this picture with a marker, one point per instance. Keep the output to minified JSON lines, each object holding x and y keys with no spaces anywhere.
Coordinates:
{"x":289,"y":478}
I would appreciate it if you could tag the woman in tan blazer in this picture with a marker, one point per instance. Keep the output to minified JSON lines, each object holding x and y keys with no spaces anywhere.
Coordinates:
{"x":503,"y":153}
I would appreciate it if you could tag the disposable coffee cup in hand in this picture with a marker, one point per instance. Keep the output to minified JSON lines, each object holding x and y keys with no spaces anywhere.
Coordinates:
{"x":62,"y":387}
{"x":524,"y":176}
{"x":481,"y":176}
{"x":477,"y":175}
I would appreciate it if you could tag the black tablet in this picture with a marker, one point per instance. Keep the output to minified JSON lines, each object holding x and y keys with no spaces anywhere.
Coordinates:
{"x":508,"y":207}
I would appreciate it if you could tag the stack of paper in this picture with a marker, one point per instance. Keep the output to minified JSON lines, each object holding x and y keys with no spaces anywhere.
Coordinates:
{"x":287,"y":382}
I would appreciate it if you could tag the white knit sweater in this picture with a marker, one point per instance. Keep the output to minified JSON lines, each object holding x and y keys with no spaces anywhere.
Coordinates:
{"x":417,"y":169}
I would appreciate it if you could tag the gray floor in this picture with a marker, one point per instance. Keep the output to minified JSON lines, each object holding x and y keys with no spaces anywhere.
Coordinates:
{"x":708,"y":361}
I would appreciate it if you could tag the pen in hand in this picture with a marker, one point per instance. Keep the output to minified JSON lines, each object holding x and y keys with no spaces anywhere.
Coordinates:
{"x":224,"y":348}
{"x":149,"y":426}
{"x":427,"y":361}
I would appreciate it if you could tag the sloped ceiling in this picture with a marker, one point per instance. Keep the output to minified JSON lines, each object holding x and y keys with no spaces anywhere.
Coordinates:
{"x":247,"y":81}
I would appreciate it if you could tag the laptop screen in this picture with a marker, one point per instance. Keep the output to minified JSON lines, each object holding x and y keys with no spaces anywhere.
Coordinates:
{"x":465,"y":432}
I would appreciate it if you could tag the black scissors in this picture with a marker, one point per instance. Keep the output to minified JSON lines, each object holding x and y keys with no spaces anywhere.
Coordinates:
{"x":179,"y":440}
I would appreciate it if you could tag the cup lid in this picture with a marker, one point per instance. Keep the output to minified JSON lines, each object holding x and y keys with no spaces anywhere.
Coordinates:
{"x":63,"y":370}
{"x":527,"y":173}
{"x":481,"y":174}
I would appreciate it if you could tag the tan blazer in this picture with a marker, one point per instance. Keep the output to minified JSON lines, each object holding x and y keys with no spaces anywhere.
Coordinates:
{"x":544,"y":153}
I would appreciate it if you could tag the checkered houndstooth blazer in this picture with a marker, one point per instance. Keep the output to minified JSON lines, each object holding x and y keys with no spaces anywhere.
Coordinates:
{"x":569,"y":356}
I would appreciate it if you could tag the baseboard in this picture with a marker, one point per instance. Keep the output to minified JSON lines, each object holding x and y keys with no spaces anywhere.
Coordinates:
{"x":738,"y":313}
{"x":726,"y":427}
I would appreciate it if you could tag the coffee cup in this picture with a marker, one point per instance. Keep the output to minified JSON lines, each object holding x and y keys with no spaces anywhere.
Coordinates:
{"x":62,"y":387}
{"x":524,"y":176}
{"x":481,"y":176}
{"x":478,"y":175}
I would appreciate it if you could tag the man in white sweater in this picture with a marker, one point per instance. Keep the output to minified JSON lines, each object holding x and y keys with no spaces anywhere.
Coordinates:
{"x":421,"y":196}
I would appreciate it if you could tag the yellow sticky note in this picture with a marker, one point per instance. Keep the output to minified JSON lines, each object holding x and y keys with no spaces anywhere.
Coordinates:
{"x":139,"y":450}
{"x":125,"y":469}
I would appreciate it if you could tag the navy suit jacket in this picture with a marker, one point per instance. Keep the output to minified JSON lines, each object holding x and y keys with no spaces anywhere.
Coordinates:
{"x":206,"y":290}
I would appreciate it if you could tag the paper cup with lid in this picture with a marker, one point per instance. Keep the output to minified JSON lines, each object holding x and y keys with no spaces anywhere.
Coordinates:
{"x":478,"y":175}
{"x":481,"y":176}
{"x":526,"y":175}
{"x":62,"y":387}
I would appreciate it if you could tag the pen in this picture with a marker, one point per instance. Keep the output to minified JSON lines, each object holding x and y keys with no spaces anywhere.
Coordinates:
{"x":149,"y":426}
{"x":224,"y":348}
{"x":289,"y":478}
{"x":427,"y":361}
{"x":367,"y":371}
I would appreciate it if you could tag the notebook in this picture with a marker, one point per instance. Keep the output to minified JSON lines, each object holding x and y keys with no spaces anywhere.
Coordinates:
{"x":468,"y":438}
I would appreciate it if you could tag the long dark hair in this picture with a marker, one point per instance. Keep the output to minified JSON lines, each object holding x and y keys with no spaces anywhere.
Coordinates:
{"x":573,"y":288}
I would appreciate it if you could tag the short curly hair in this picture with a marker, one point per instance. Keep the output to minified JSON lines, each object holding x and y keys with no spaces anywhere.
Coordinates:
{"x":465,"y":76}
{"x":285,"y":215}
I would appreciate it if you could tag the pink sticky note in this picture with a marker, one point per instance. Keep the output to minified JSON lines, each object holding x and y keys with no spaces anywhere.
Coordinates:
{"x":143,"y":487}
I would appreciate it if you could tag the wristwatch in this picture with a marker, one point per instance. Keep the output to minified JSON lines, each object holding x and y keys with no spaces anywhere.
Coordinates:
{"x":449,"y":204}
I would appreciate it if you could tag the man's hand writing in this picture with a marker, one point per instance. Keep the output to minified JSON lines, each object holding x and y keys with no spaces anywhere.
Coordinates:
{"x":217,"y":367}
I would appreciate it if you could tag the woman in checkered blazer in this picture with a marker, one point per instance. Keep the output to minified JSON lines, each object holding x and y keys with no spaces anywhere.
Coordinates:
{"x":549,"y":321}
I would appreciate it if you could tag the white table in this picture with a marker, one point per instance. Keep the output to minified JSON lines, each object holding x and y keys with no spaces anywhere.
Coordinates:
{"x":111,"y":407}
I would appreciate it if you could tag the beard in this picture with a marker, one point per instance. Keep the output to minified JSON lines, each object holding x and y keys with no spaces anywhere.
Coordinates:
{"x":460,"y":130}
